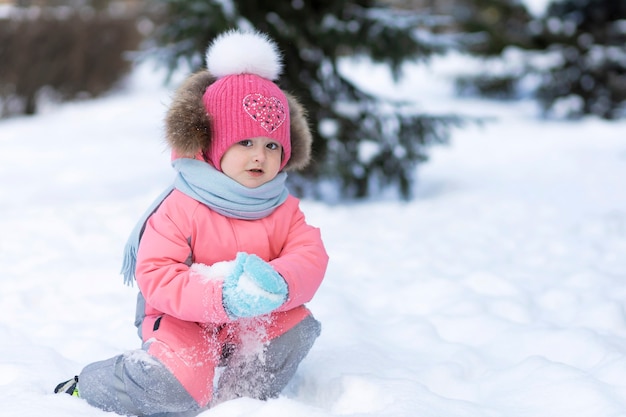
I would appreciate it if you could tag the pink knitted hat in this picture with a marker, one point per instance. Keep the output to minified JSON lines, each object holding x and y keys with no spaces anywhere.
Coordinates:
{"x":244,"y":102}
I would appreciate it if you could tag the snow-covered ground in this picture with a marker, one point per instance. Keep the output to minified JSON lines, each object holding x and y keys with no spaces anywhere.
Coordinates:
{"x":498,"y":292}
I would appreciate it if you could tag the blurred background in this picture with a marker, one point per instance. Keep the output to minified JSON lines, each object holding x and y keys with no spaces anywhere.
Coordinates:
{"x":567,"y":55}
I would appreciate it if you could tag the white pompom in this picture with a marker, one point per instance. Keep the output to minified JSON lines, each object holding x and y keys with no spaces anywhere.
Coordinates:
{"x":237,"y":52}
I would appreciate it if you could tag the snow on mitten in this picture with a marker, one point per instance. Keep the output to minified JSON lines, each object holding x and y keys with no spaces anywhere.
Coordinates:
{"x":253,"y":288}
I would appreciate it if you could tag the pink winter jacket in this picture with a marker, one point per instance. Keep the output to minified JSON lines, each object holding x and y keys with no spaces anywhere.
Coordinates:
{"x":184,"y":231}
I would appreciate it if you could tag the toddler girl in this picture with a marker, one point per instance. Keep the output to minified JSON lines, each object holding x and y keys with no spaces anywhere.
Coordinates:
{"x":224,"y":260}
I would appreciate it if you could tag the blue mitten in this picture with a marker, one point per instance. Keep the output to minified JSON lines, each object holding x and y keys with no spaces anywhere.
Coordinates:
{"x":253,"y":288}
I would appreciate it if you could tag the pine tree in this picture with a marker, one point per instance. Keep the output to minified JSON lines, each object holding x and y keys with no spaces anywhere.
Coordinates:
{"x":576,"y":55}
{"x":492,"y":26}
{"x":589,"y":37}
{"x":313,"y":37}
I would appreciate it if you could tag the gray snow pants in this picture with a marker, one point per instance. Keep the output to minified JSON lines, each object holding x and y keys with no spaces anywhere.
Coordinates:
{"x":137,"y":384}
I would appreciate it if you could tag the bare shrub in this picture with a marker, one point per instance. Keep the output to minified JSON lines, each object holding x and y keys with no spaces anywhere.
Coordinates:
{"x":72,"y":53}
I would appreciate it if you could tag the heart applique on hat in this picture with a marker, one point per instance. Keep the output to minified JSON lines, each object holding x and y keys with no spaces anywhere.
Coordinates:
{"x":269,"y":112}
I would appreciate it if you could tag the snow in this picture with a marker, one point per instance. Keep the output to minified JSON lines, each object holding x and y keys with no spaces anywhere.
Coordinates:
{"x":537,"y":7}
{"x":497,"y":292}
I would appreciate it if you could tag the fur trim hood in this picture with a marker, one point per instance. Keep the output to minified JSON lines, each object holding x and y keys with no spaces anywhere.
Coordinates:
{"x":188,"y":126}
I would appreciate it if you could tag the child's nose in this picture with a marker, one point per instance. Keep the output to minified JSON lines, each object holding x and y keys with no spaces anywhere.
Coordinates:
{"x":259,"y":155}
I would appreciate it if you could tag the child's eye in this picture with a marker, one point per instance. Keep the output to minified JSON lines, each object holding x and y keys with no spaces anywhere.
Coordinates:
{"x":245,"y":142}
{"x":273,"y":146}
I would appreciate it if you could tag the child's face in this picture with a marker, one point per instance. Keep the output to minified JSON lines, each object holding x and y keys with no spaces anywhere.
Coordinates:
{"x":253,"y":162}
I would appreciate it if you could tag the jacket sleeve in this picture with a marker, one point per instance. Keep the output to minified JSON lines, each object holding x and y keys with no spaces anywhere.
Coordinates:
{"x":302,"y":261}
{"x":163,"y":273}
